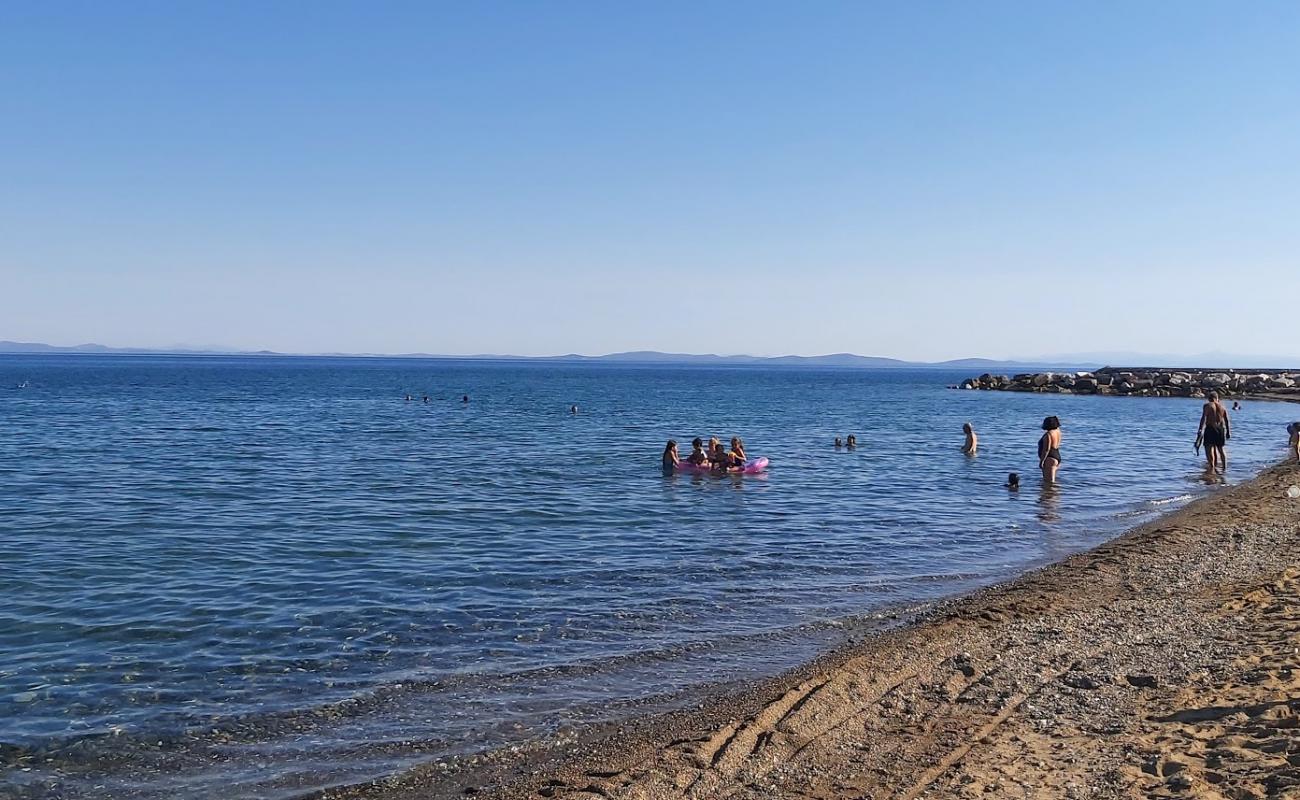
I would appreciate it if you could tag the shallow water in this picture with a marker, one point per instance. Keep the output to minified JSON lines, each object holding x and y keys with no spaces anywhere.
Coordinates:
{"x":243,"y":577}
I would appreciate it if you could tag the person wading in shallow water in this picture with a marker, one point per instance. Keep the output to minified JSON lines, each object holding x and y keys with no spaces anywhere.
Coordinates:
{"x":1214,"y":432}
{"x":1049,"y":449}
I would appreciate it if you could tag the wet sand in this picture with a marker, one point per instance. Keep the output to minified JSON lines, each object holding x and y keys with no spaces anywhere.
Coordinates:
{"x":1157,"y":665}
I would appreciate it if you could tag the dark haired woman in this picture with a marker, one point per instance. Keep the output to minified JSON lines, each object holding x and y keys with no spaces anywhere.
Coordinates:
{"x":698,"y":457}
{"x":1049,"y":449}
{"x":671,"y":459}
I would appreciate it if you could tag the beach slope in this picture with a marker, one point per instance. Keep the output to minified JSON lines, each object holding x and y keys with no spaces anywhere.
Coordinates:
{"x":1157,"y":665}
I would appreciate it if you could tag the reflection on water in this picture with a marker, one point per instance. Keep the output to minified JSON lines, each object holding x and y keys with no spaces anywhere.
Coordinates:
{"x":1049,"y":503}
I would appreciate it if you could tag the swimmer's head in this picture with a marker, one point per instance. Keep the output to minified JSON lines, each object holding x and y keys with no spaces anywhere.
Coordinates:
{"x":1013,"y":480}
{"x":697,"y":443}
{"x":1212,"y":397}
{"x":671,"y":447}
{"x":838,"y":443}
{"x":966,"y":428}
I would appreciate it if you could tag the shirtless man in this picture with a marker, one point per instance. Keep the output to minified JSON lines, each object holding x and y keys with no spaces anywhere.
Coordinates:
{"x":1216,"y":431}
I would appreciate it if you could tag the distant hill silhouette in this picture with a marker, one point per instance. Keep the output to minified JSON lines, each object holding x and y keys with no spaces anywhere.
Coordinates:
{"x":634,"y":357}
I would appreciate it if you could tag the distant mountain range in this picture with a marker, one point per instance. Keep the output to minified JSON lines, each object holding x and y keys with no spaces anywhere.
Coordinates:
{"x":635,"y":357}
{"x":1072,"y":361}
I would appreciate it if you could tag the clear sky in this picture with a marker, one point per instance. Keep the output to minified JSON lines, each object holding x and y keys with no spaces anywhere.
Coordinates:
{"x":914,"y":179}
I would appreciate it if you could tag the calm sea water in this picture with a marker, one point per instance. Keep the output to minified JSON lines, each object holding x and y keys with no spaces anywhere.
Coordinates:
{"x":248,"y":577}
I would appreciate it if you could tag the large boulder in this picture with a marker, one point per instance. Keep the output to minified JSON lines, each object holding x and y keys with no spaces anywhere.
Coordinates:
{"x":1085,"y":384}
{"x":1216,"y":380}
{"x":1042,"y":379}
{"x":1281,"y":383}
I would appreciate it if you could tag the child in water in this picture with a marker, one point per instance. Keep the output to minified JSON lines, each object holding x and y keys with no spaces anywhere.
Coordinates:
{"x":737,"y":452}
{"x":670,"y":456}
{"x":721,"y":461}
{"x":1013,"y":481}
{"x":851,"y":442}
{"x":698,"y":457}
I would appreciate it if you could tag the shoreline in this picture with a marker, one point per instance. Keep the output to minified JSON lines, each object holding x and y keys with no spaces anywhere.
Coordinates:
{"x":1005,"y":690}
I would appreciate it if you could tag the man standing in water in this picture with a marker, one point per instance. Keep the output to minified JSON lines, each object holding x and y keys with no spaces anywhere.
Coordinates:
{"x":1216,"y":431}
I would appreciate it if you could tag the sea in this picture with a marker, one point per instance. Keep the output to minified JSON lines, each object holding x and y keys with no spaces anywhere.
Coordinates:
{"x":258,"y":577}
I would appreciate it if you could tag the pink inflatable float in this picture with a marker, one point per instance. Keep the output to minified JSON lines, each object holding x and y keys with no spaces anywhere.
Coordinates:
{"x":752,"y":467}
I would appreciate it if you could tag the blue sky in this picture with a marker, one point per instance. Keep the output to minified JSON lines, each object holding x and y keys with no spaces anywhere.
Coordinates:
{"x":921,"y":180}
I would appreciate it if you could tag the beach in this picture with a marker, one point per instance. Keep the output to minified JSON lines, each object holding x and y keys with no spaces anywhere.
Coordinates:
{"x":349,"y":599}
{"x":1159,"y":664}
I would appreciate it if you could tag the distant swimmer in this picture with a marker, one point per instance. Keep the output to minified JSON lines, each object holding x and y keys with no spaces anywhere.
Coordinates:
{"x":1013,"y":481}
{"x":1049,"y":449}
{"x":464,"y":399}
{"x":972,"y":441}
{"x":573,"y":409}
{"x":838,"y":443}
{"x":408,"y":398}
{"x":1214,"y":432}
{"x":426,"y":398}
{"x":1236,"y":406}
{"x":851,"y":442}
{"x":671,"y":458}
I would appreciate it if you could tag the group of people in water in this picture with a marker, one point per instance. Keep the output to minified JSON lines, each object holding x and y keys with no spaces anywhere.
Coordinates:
{"x":1049,"y":450}
{"x":1213,"y":433}
{"x":716,"y":458}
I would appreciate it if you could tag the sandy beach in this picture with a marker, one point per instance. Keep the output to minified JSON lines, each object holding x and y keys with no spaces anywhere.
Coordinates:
{"x":1157,"y":665}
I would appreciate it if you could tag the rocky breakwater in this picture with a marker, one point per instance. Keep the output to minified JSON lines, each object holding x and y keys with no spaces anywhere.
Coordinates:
{"x":1147,"y":382}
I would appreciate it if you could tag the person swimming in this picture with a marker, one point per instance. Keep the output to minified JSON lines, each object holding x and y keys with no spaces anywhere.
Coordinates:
{"x":1013,"y":481}
{"x":573,"y":409}
{"x":838,"y":443}
{"x":698,"y":457}
{"x":972,"y":441}
{"x":851,"y":442}
{"x":671,"y":458}
{"x":464,"y":398}
{"x":1049,"y":449}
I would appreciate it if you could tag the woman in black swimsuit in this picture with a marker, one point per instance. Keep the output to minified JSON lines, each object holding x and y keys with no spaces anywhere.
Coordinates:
{"x":1049,"y":449}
